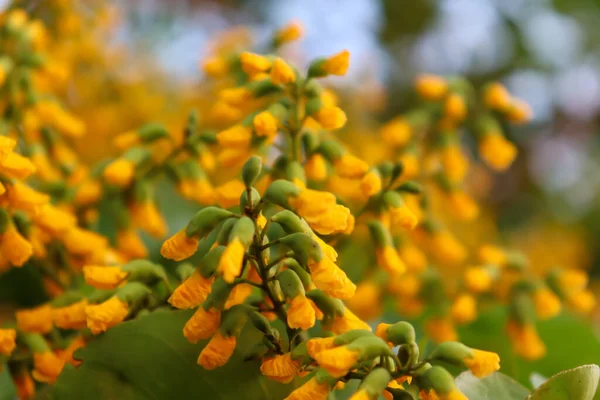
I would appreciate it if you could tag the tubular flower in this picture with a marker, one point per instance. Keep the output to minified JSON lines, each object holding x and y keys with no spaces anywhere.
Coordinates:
{"x":232,"y":260}
{"x":119,"y":172}
{"x":130,"y":245}
{"x":525,"y":340}
{"x":331,"y":279}
{"x":265,"y":124}
{"x":13,"y":247}
{"x":349,"y":166}
{"x":482,"y":363}
{"x":464,"y":309}
{"x":146,"y":216}
{"x":583,"y":301}
{"x":72,"y":316}
{"x":371,"y":184}
{"x":282,"y":73}
{"x":403,"y":216}
{"x":253,"y":64}
{"x":431,"y":87}
{"x":496,"y":97}
{"x":311,"y":390}
{"x":22,"y":197}
{"x":345,"y":323}
{"x":102,"y":277}
{"x":389,"y":260}
{"x":463,"y":205}
{"x":202,"y":325}
{"x":478,"y":279}
{"x":441,"y":330}
{"x":455,"y":163}
{"x":321,"y":212}
{"x":331,"y":117}
{"x":289,"y":33}
{"x":47,"y":366}
{"x":179,"y":246}
{"x":337,"y":64}
{"x":281,"y":368}
{"x":217,"y":352}
{"x":25,"y":385}
{"x":316,"y":168}
{"x":35,"y":320}
{"x":228,"y":194}
{"x":547,"y":304}
{"x":397,"y":132}
{"x":236,"y":136}
{"x":337,"y":361}
{"x":7,"y":341}
{"x":191,"y":292}
{"x":496,"y":151}
{"x":16,"y":166}
{"x":103,"y":316}
{"x":301,"y":313}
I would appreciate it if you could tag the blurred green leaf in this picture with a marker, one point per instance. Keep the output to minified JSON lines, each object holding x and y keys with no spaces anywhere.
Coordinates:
{"x":7,"y":389}
{"x":578,"y":383}
{"x":150,"y":358}
{"x":494,"y":387}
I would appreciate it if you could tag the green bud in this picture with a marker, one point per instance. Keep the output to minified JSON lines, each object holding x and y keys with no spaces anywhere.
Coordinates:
{"x":290,"y":222}
{"x":410,"y":187}
{"x":251,"y":170}
{"x":331,"y":307}
{"x":144,"y":271}
{"x":206,"y":220}
{"x":279,"y":191}
{"x":35,"y":342}
{"x":310,"y":142}
{"x":208,"y":264}
{"x":451,"y":352}
{"x":331,"y":150}
{"x":293,"y":170}
{"x":400,"y":333}
{"x":522,"y":309}
{"x":5,"y":220}
{"x":312,"y":88}
{"x":370,"y":347}
{"x":393,"y":199}
{"x":22,"y":222}
{"x":278,"y":110}
{"x":303,"y":246}
{"x":192,"y":124}
{"x":408,"y":354}
{"x":66,"y":299}
{"x":487,"y":123}
{"x":300,"y":272}
{"x":33,"y":60}
{"x":258,"y":351}
{"x":143,"y":191}
{"x":313,"y":105}
{"x":376,"y":381}
{"x":100,"y":296}
{"x":137,"y":155}
{"x":188,"y":169}
{"x":254,"y":197}
{"x":132,"y":291}
{"x":315,"y":70}
{"x":184,"y":270}
{"x":150,"y":132}
{"x":290,"y":283}
{"x":243,"y":230}
{"x":234,"y":319}
{"x":380,"y":234}
{"x":350,"y":336}
{"x":260,"y":322}
{"x":262,"y":87}
{"x":225,"y":231}
{"x":301,"y":352}
{"x":218,"y":295}
{"x":438,"y":379}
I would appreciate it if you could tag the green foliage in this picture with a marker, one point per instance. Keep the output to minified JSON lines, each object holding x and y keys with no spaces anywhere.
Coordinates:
{"x":149,"y":358}
{"x":578,"y":383}
{"x":7,"y":389}
{"x":494,"y":387}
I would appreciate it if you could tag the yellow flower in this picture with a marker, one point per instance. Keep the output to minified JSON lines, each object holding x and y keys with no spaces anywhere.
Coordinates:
{"x":81,"y":242}
{"x":16,"y":166}
{"x":145,"y":215}
{"x":215,"y":67}
{"x":345,"y":323}
{"x":234,"y":97}
{"x":446,"y":248}
{"x":102,"y":277}
{"x":397,"y":132}
{"x":35,"y":320}
{"x":337,"y":361}
{"x":199,"y":190}
{"x":496,"y":151}
{"x":70,"y":317}
{"x":489,"y":254}
{"x":88,"y":192}
{"x":371,"y":183}
{"x":349,"y":166}
{"x":119,"y":172}
{"x":583,"y":301}
{"x":431,"y":87}
{"x":253,"y":64}
{"x":331,"y":117}
{"x":477,"y":279}
{"x":362,"y":394}
{"x":103,"y":316}
{"x":14,"y":247}
{"x":366,"y":302}
{"x":321,"y":212}
{"x":217,"y":352}
{"x":289,"y":33}
{"x":411,"y":307}
{"x":179,"y":246}
{"x":265,"y":124}
{"x":525,"y":340}
{"x":482,"y":363}
{"x":337,"y":64}
{"x":453,"y":394}
{"x":6,"y":146}
{"x":547,"y":304}
{"x":47,"y":366}
{"x":228,"y":194}
{"x":281,"y":368}
{"x":301,"y":314}
{"x":317,"y":345}
{"x":7,"y":341}
{"x":238,"y":295}
{"x":231,"y":261}
{"x":316,"y":167}
{"x":126,"y":140}
{"x":455,"y":107}
{"x":311,"y":390}
{"x":496,"y":97}
{"x":328,"y":250}
{"x":202,"y":325}
{"x":21,"y":196}
{"x":519,"y":112}
{"x":191,"y":292}
{"x":411,"y":165}
{"x":282,"y":73}
{"x":236,"y":136}
{"x":463,"y":205}
{"x":440,"y":330}
{"x":130,"y":244}
{"x":455,"y":163}
{"x":331,"y":279}
{"x":403,"y":217}
{"x":464,"y":309}
{"x":413,"y":257}
{"x":407,"y":285}
{"x":54,"y":220}
{"x":389,"y":260}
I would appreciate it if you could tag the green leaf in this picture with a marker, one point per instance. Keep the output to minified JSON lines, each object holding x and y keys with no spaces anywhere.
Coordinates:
{"x":7,"y":389}
{"x":149,"y":358}
{"x":496,"y":386}
{"x":578,"y":383}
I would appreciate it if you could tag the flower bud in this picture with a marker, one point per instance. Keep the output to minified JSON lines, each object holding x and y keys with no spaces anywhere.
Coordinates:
{"x":218,"y":295}
{"x":376,"y":382}
{"x":251,"y":170}
{"x":279,"y":192}
{"x":132,"y":292}
{"x":290,"y":284}
{"x":225,"y":231}
{"x":400,"y":333}
{"x":144,"y":271}
{"x":206,"y":220}
{"x":334,"y":65}
{"x":247,"y":205}
{"x":301,"y":272}
{"x":330,"y":306}
{"x":289,"y":221}
{"x":243,"y":230}
{"x":304,"y":247}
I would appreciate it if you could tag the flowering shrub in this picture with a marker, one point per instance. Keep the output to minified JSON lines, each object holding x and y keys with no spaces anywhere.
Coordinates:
{"x":297,"y":248}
